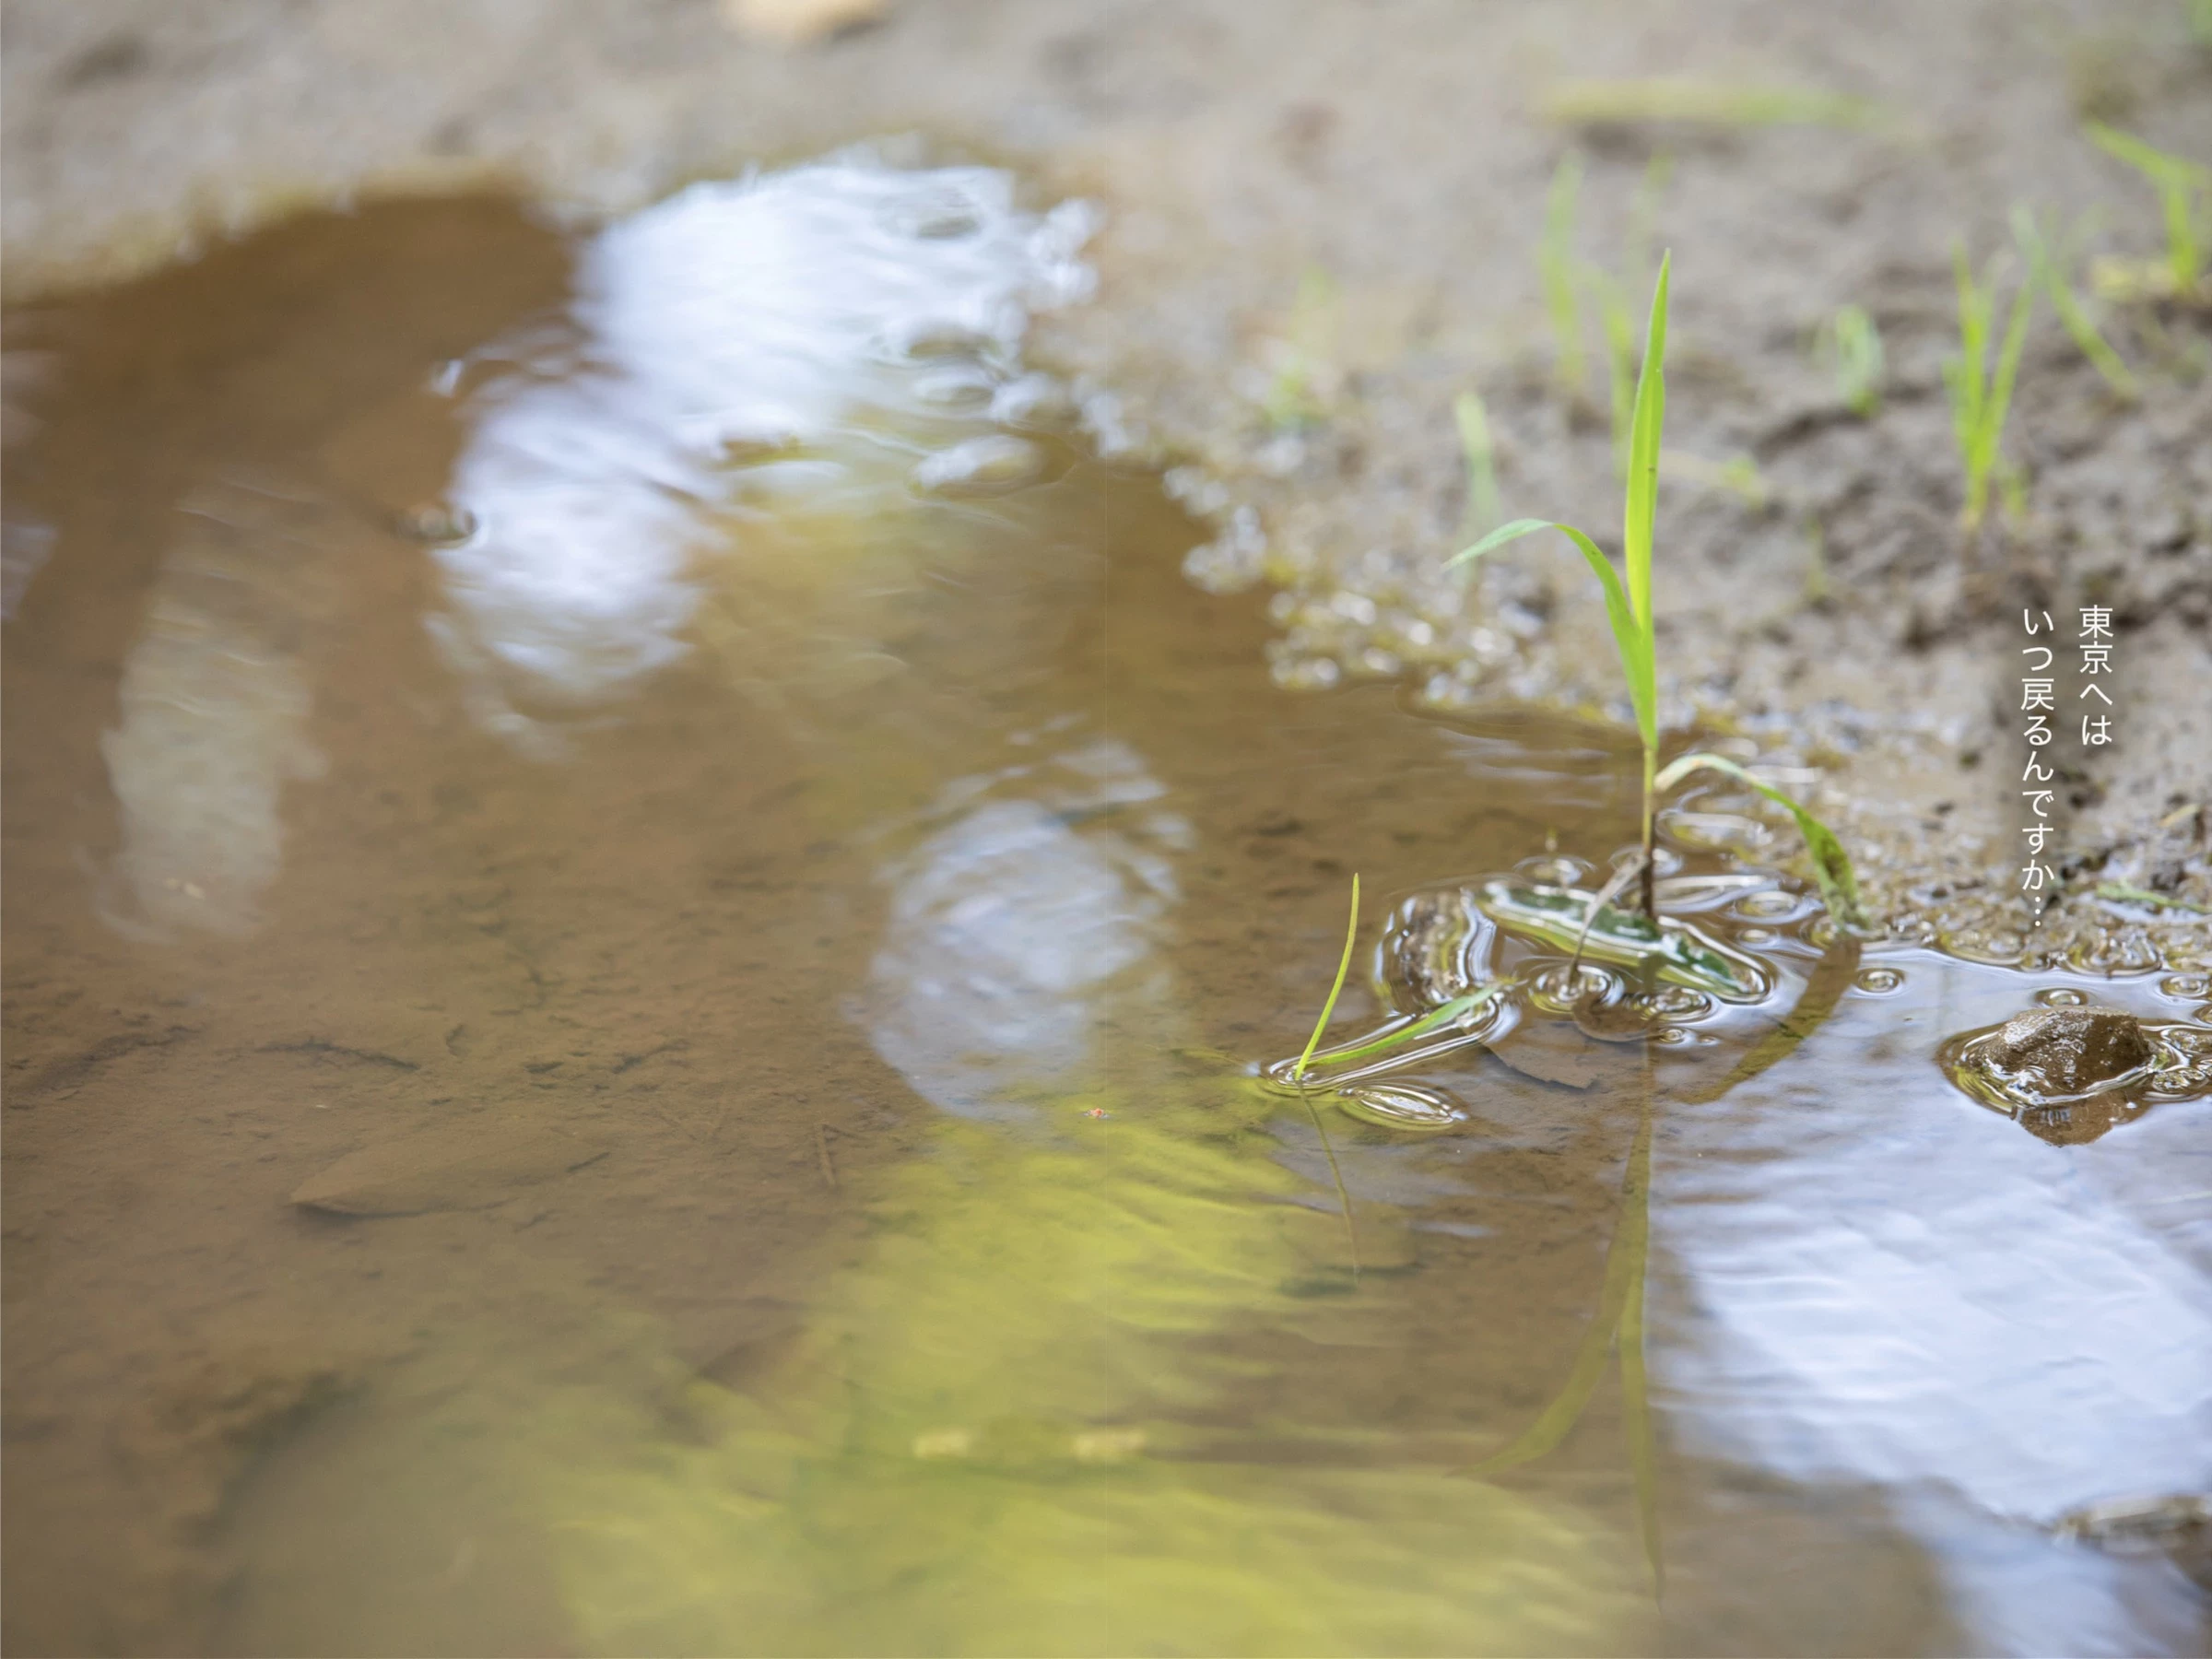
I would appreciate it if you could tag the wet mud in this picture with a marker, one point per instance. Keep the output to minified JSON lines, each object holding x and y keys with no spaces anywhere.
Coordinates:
{"x":729,"y":1111}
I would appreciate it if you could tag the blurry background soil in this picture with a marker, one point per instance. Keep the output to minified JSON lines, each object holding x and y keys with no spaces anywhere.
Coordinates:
{"x":1403,"y":151}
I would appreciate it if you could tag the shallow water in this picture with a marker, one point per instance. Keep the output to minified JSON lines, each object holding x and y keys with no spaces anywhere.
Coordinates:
{"x":487,"y":693}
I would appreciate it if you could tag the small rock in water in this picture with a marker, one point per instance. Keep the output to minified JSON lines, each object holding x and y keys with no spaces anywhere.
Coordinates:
{"x":465,"y":1166}
{"x":2058,"y":1052}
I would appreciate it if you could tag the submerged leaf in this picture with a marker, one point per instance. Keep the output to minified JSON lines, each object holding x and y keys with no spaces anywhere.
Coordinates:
{"x":1452,"y":1013}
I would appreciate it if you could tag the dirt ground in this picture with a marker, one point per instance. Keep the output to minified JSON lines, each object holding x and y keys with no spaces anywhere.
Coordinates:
{"x":1403,"y":151}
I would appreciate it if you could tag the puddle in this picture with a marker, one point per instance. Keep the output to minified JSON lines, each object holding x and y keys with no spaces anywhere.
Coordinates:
{"x":645,"y":922}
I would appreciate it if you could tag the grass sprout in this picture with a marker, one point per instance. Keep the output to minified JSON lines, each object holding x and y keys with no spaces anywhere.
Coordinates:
{"x":1980,"y":394}
{"x":1851,"y":347}
{"x":1628,"y":609}
{"x":2180,"y":184}
{"x":1475,"y":444}
{"x":2046,"y":268}
{"x":1557,"y":265}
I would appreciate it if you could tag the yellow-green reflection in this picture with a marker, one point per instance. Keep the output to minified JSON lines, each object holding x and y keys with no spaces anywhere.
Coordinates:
{"x":1008,"y":1430}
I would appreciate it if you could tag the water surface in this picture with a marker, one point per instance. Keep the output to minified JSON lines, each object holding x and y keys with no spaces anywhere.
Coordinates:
{"x":698,"y":691}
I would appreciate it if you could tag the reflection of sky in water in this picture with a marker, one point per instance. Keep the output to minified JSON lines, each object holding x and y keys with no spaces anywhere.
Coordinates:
{"x":835,"y":328}
{"x":1019,"y":934}
{"x":213,"y":709}
{"x":1893,"y":1286}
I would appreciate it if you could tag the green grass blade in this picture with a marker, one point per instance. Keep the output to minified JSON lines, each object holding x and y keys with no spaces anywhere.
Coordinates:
{"x":2177,"y":180}
{"x":1344,"y":966}
{"x":1498,"y":538}
{"x":2159,"y":166}
{"x":1964,"y":375}
{"x":1999,"y":405}
{"x":2043,"y":270}
{"x":1644,"y":428}
{"x":1832,"y":865}
{"x":1628,"y":637}
{"x":1631,"y":638}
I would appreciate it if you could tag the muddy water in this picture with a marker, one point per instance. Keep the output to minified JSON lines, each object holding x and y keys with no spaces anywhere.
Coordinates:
{"x":637,"y":971}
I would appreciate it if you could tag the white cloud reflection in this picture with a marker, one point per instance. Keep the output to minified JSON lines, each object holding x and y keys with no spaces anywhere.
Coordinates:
{"x":1894,"y":1288}
{"x":1020,"y":937}
{"x":809,"y":324}
{"x":214,"y":708}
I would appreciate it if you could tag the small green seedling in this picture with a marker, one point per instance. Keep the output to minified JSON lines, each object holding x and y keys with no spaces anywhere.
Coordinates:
{"x":1629,"y":609}
{"x":1851,"y":347}
{"x":2046,"y":268}
{"x":2180,"y":184}
{"x":1980,"y":395}
{"x":1475,"y":444}
{"x":1556,"y":265}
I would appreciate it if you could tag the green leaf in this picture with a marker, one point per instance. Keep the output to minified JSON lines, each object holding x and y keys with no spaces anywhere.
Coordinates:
{"x":1498,"y":538}
{"x":1831,"y":864}
{"x":1644,"y":428}
{"x":1631,"y":640}
{"x":2044,"y":268}
{"x":1344,"y":965}
{"x":2155,"y":164}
